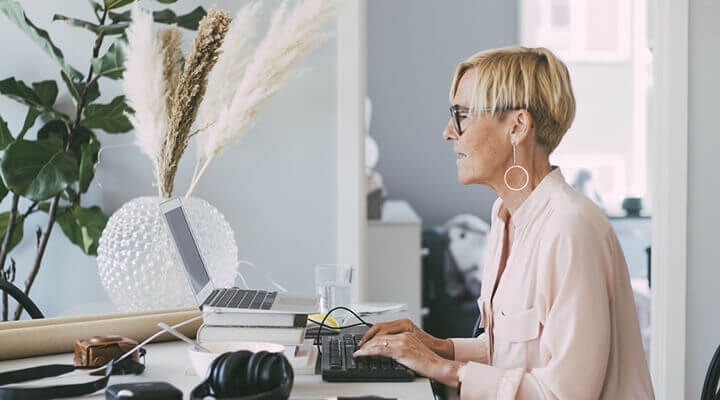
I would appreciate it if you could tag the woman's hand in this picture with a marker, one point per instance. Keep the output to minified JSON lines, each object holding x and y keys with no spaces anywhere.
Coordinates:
{"x":442,"y":347}
{"x":408,"y":348}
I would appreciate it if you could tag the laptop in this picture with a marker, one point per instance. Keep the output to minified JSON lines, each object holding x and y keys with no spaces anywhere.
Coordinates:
{"x":211,"y":299}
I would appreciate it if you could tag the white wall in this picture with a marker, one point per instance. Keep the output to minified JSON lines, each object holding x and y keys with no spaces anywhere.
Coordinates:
{"x":277,"y":187}
{"x":703,"y":267}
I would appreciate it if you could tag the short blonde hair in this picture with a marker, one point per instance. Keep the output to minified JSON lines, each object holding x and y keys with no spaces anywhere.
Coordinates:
{"x":519,"y":77}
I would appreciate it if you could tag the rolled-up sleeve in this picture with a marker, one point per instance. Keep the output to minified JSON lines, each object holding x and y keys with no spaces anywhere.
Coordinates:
{"x":475,"y":349}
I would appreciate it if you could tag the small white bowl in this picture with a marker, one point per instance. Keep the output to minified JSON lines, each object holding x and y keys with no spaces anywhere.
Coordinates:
{"x":201,"y":360}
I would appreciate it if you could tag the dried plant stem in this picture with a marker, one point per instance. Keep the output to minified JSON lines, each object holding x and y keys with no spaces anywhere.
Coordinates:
{"x":169,"y":39}
{"x":189,"y":93}
{"x":199,"y":172}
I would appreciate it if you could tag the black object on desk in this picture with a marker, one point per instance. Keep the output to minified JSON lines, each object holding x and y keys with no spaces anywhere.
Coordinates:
{"x":143,"y":391}
{"x":338,"y":364}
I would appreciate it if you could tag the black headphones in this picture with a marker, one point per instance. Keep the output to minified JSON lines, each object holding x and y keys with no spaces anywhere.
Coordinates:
{"x":248,"y":376}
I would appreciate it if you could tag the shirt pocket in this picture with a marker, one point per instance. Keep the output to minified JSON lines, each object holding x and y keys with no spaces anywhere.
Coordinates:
{"x":516,"y":339}
{"x":519,"y":326}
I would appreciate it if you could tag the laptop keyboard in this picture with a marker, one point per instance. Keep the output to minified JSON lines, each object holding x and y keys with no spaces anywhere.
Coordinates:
{"x":241,"y":298}
{"x":338,"y":364}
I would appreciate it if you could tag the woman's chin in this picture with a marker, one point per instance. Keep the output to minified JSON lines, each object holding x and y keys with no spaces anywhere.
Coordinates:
{"x":464,"y":179}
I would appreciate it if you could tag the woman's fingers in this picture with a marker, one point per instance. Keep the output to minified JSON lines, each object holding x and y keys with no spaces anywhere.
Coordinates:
{"x":387,"y":328}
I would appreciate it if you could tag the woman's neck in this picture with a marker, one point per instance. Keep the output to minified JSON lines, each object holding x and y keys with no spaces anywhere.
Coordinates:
{"x":538,"y":170}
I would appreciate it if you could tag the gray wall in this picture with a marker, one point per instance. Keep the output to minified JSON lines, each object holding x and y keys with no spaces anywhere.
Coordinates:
{"x":411,"y":60}
{"x":410,"y":68}
{"x":277,"y":187}
{"x":703,"y":273}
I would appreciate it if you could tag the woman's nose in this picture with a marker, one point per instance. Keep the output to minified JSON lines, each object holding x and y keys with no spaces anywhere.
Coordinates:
{"x":449,"y":132}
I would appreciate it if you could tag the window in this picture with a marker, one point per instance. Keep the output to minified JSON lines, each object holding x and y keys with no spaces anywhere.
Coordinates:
{"x":578,"y":30}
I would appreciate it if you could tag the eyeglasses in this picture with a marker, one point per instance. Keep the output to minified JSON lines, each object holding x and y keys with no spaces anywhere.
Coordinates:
{"x":459,"y":113}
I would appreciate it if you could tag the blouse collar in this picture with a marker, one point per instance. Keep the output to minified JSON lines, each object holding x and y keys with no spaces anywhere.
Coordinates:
{"x":536,"y":201}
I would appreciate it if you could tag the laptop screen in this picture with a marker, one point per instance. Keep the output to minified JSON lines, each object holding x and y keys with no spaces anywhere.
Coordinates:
{"x":187,"y":248}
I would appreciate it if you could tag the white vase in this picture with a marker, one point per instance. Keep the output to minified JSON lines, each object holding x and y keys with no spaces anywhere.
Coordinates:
{"x":138,"y":265}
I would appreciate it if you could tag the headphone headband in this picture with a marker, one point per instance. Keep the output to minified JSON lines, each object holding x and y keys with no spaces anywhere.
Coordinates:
{"x":48,"y":392}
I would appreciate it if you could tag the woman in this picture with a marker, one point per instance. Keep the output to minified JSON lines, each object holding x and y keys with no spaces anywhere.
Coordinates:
{"x":556,"y":302}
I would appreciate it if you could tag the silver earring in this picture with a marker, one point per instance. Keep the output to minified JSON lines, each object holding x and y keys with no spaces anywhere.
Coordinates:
{"x":521,"y":168}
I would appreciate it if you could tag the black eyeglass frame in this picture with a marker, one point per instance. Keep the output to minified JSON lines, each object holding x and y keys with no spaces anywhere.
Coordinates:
{"x":459,"y":113}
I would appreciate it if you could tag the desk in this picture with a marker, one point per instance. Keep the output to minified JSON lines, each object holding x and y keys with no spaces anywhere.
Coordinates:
{"x":169,"y":362}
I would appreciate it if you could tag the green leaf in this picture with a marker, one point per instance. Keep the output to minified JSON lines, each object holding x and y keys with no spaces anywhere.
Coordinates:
{"x":69,"y":194}
{"x":110,"y":29}
{"x":5,"y":136}
{"x":15,"y":12}
{"x":191,"y":19}
{"x":109,"y":117}
{"x":80,"y":23}
{"x":113,"y":4}
{"x":187,"y":21}
{"x":120,"y":17}
{"x":95,"y":5}
{"x":83,"y":226}
{"x":92,"y":93}
{"x":113,"y":29}
{"x":59,"y":131}
{"x":41,"y":96}
{"x":46,"y":91}
{"x":38,"y":170}
{"x":112,"y":63}
{"x":166,"y":1}
{"x":88,"y":160}
{"x":167,"y":16}
{"x":5,"y":140}
{"x":30,"y":119}
{"x":76,"y":90}
{"x":17,"y":232}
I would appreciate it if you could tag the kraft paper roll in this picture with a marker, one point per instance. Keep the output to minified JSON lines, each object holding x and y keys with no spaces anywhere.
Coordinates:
{"x":58,"y":335}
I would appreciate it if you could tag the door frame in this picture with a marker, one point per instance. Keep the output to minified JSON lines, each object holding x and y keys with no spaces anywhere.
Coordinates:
{"x":668,"y":166}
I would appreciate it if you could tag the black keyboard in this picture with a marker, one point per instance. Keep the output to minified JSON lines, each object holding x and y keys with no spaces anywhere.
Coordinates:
{"x":338,"y":364}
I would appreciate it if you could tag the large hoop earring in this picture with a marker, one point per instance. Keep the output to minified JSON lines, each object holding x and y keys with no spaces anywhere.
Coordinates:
{"x":521,"y":168}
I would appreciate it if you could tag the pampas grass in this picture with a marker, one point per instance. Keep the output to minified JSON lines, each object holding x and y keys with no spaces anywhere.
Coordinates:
{"x":172,"y":57}
{"x":225,"y":82}
{"x":189,"y":93}
{"x":235,"y":53}
{"x":144,"y":86}
{"x":289,"y":38}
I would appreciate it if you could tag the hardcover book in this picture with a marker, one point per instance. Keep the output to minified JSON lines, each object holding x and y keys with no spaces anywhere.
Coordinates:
{"x":287,"y":336}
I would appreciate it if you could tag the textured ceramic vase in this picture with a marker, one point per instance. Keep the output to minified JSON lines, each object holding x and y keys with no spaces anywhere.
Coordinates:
{"x":138,"y":265}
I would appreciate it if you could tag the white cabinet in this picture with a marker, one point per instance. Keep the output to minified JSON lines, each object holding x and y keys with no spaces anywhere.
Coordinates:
{"x":393,"y":258}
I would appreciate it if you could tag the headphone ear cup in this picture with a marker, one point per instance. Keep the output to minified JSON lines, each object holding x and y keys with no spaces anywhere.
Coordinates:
{"x":226,"y":377}
{"x":276,"y":371}
{"x":267,"y":372}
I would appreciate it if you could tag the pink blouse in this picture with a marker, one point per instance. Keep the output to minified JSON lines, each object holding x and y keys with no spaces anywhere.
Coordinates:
{"x":562,"y":323}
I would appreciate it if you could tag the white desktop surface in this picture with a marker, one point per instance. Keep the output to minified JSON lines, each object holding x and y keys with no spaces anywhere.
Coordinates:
{"x":169,"y":362}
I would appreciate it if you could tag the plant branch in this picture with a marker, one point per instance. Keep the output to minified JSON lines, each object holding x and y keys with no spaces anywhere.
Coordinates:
{"x":10,"y":230}
{"x":45,"y":236}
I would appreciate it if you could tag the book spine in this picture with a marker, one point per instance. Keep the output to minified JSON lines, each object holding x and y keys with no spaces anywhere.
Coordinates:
{"x":255,"y":319}
{"x":284,"y":336}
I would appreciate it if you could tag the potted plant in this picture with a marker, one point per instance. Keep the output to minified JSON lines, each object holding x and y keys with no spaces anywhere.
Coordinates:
{"x":47,"y":164}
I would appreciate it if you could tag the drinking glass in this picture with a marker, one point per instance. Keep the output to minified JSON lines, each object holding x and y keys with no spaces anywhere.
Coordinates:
{"x":332,"y":282}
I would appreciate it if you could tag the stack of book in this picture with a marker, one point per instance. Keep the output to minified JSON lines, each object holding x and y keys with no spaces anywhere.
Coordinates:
{"x":287,"y":329}
{"x":283,"y":328}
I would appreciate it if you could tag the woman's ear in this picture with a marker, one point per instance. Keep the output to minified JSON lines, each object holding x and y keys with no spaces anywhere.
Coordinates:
{"x":522,"y":123}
